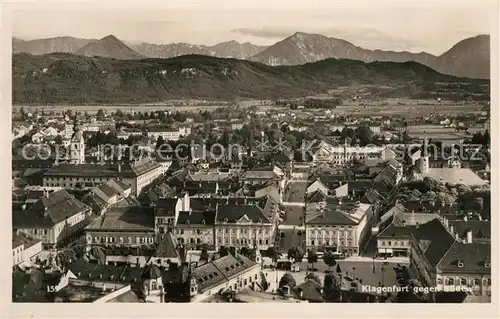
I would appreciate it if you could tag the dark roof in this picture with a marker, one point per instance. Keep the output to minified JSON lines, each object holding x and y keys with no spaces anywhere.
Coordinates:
{"x":166,"y":207}
{"x":21,"y":239}
{"x":196,"y":218}
{"x":481,"y":229}
{"x":221,"y":270}
{"x":151,"y":271}
{"x":198,"y":187}
{"x":110,"y":170}
{"x":125,"y":218}
{"x":474,"y":258}
{"x":434,"y":241}
{"x":84,"y":270}
{"x":328,"y":217}
{"x":167,"y":247}
{"x":393,"y":231}
{"x":311,"y":291}
{"x":233,"y":213}
{"x":48,"y":211}
{"x":211,"y":203}
{"x":108,"y":190}
{"x":94,"y":201}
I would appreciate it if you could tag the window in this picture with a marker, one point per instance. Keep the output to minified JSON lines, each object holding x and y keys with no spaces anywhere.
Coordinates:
{"x":477,"y":282}
{"x":267,"y":242}
{"x":463,"y":281}
{"x":488,"y":281}
{"x":450,"y":281}
{"x":255,"y":276}
{"x":439,"y":281}
{"x":382,"y":243}
{"x":389,"y":243}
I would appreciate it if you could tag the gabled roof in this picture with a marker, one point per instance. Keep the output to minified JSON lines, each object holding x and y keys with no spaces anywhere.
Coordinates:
{"x":196,"y":218}
{"x":167,"y":248}
{"x":48,"y":211}
{"x":234,"y":213}
{"x":434,"y":240}
{"x":473,"y":258}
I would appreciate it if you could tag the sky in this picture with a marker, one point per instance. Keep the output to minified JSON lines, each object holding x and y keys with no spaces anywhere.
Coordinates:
{"x":416,"y":26}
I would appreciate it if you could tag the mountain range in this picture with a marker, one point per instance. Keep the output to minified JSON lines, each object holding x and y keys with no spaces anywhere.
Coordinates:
{"x":62,"y":78}
{"x":468,"y":58}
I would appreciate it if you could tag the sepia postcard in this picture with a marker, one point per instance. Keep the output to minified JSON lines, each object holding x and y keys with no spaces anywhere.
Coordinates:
{"x":215,"y":152}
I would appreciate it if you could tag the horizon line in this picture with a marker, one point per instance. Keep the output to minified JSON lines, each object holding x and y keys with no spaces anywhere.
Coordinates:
{"x":132,"y":42}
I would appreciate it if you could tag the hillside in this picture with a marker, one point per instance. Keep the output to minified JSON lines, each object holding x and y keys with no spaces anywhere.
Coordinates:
{"x":66,"y":78}
{"x":468,"y":58}
{"x":111,"y":47}
{"x":230,"y":49}
{"x":303,"y":48}
{"x":50,"y":45}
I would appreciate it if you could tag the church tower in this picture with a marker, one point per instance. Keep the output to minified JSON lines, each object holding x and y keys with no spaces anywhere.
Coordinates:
{"x":424,"y":157}
{"x":77,"y":147}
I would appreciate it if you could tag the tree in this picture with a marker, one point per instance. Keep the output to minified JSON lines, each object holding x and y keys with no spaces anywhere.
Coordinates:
{"x":58,"y":140}
{"x":296,"y":253}
{"x":263,"y":282}
{"x":100,"y":115}
{"x":331,"y":288}
{"x":338,"y":270}
{"x":160,"y":142}
{"x":98,"y":253}
{"x":273,"y":253}
{"x":312,"y":257}
{"x":204,"y":254}
{"x":364,"y":134}
{"x":287,"y":279}
{"x":312,"y":276}
{"x":329,"y":259}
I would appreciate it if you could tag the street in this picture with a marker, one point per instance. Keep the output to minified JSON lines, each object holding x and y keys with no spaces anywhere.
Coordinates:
{"x":360,"y":268}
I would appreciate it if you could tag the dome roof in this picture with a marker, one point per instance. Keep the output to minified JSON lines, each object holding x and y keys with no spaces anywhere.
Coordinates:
{"x":151,"y":272}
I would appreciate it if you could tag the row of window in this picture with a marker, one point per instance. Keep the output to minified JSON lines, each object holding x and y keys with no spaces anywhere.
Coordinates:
{"x":244,"y":231}
{"x":330,"y":242}
{"x":329,"y":227}
{"x":465,"y":281}
{"x":121,"y":240}
{"x":396,"y":243}
{"x":243,"y":241}
{"x":38,"y":231}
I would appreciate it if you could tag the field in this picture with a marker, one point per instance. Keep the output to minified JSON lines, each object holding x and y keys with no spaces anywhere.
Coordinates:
{"x":438,"y":132}
{"x":407,"y":108}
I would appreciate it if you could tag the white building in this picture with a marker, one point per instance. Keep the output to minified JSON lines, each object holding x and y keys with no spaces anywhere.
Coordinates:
{"x":25,"y":249}
{"x":338,"y":225}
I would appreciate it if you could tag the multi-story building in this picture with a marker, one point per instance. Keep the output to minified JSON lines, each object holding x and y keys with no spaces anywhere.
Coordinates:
{"x":137,"y":174}
{"x":168,"y":134}
{"x":130,"y":226}
{"x":25,"y":248}
{"x":243,"y":226}
{"x":441,"y":259}
{"x":55,"y":218}
{"x":342,"y":154}
{"x":338,"y":224}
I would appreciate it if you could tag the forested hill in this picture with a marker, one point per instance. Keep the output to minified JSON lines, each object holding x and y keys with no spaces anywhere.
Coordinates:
{"x":71,"y":79}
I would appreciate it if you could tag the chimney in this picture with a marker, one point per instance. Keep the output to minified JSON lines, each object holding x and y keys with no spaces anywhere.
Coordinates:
{"x":469,"y":236}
